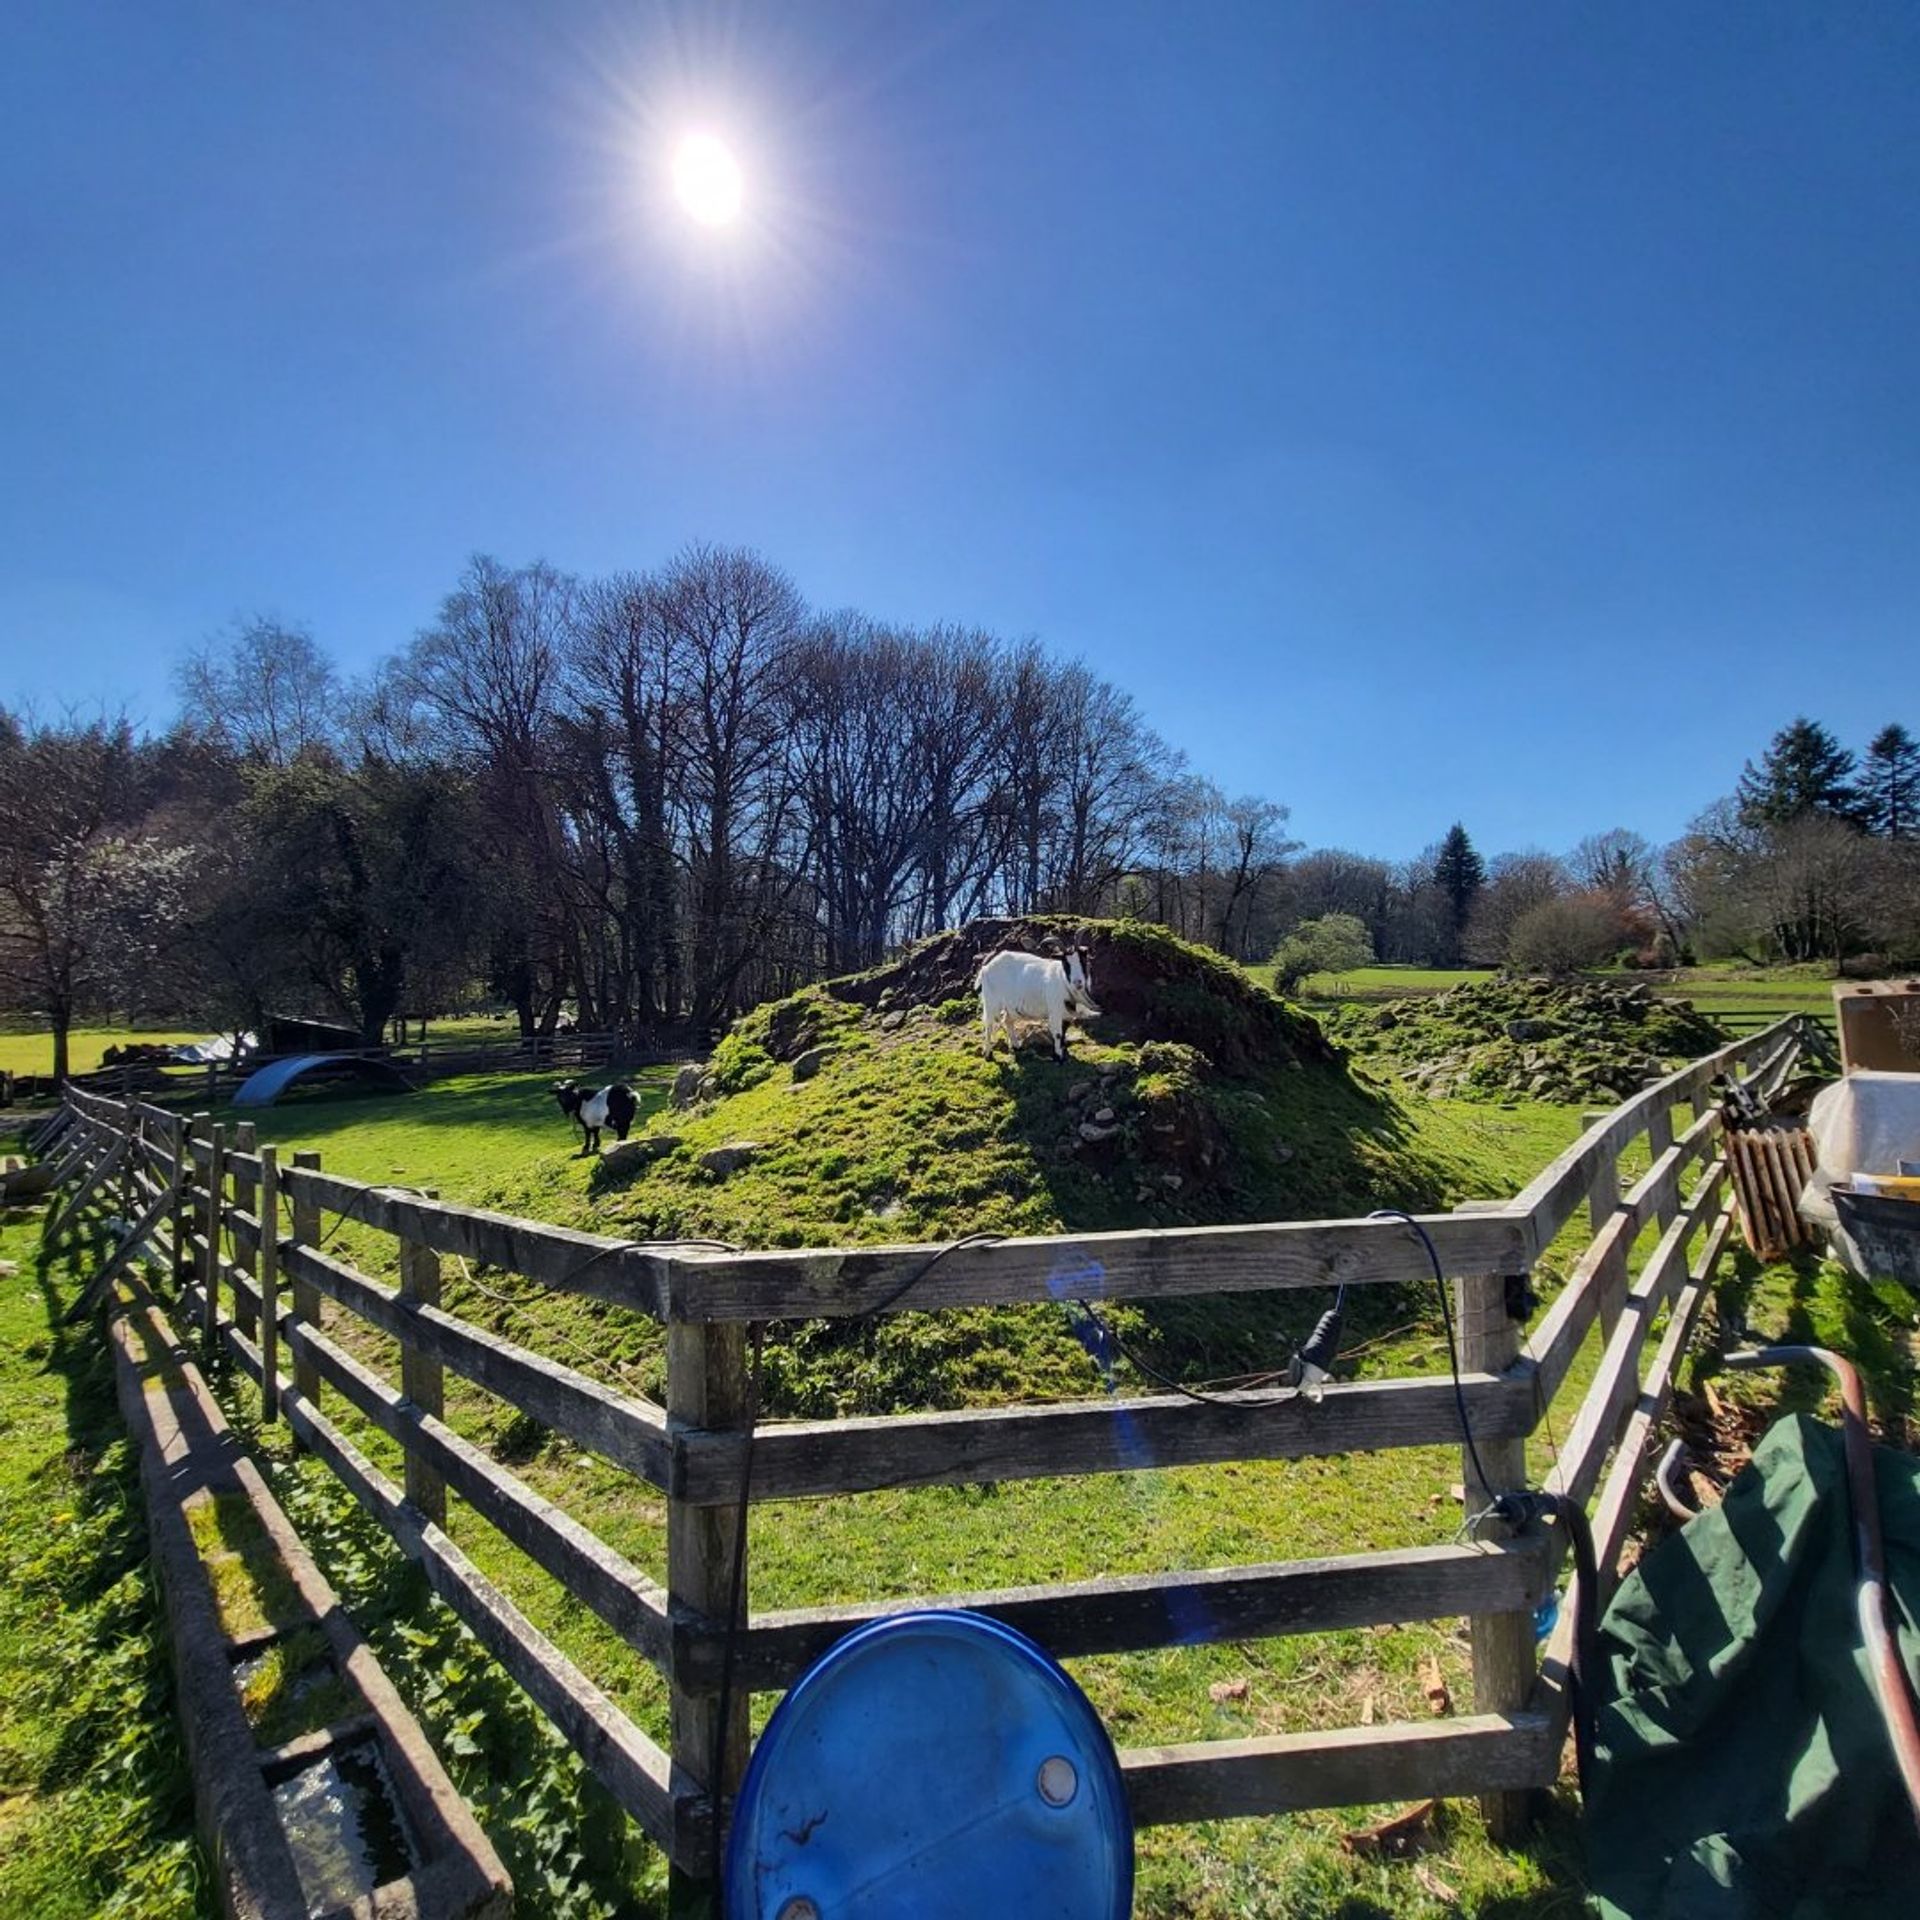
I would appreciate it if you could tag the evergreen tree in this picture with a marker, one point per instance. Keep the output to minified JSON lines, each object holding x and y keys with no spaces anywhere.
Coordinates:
{"x":1459,"y":873}
{"x":1890,"y":784}
{"x":1804,"y":771}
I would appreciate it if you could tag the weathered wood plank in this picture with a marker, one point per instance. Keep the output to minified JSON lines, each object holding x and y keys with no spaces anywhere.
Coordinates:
{"x":130,"y":1243}
{"x":1353,"y":1766}
{"x":306,"y":1296}
{"x":1601,"y":1411}
{"x":1619,"y":1496}
{"x":267,"y":1257}
{"x":625,"y":1273}
{"x":640,"y":1777}
{"x":1547,"y":1202}
{"x":420,"y":1374}
{"x":630,"y":1433}
{"x":707,"y":1388}
{"x":96,"y":1176}
{"x":805,"y":1459}
{"x":1133,"y":1612}
{"x":634,"y":1606}
{"x":1154,"y":1263}
{"x":1501,"y":1640}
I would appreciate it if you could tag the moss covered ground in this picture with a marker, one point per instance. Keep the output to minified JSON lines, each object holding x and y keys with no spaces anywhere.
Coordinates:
{"x":1564,"y":1041}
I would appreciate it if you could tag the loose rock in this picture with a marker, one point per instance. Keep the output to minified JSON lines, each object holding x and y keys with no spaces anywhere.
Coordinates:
{"x":721,"y":1161}
{"x":629,"y":1156}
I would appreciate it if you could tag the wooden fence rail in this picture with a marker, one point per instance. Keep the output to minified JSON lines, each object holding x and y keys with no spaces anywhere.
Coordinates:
{"x":251,"y":1262}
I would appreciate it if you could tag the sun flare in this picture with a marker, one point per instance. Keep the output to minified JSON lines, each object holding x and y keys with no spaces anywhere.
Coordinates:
{"x":706,"y":177}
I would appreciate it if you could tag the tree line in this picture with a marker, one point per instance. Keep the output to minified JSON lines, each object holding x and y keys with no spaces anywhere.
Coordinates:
{"x":648,"y":800}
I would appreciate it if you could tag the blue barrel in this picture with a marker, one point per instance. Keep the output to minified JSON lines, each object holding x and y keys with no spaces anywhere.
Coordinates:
{"x":932,"y":1764}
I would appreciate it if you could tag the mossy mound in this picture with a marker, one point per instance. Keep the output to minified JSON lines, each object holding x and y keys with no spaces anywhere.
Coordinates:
{"x":863,"y":1110}
{"x":1514,"y":1039}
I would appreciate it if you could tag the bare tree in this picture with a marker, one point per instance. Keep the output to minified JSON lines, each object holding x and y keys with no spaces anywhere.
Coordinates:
{"x":1517,"y":883}
{"x":734,"y":623}
{"x":266,"y":692}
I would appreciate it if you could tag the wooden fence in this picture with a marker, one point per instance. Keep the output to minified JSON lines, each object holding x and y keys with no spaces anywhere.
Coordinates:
{"x":419,"y":1060}
{"x":258,"y":1289}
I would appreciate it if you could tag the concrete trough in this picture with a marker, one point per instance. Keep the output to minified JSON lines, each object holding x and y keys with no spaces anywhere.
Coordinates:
{"x":316,"y":1791}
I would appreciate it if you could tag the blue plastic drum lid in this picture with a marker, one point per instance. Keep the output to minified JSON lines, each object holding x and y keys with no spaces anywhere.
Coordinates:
{"x":932,"y":1765}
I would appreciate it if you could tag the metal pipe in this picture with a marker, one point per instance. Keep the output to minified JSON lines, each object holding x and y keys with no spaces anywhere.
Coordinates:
{"x":1892,"y":1690}
{"x":1669,"y":1486}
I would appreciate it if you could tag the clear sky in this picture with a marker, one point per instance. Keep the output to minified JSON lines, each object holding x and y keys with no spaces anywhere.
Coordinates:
{"x":1428,"y":411}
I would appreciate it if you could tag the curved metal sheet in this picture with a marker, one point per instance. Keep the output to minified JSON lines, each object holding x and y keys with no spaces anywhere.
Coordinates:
{"x":263,"y":1088}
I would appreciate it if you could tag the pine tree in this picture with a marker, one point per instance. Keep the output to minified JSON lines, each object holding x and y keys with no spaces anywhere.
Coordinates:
{"x":1804,"y":771}
{"x":1890,"y":784}
{"x":1459,"y":873}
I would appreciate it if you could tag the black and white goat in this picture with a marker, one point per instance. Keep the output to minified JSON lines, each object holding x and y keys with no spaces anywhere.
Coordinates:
{"x":613,"y":1106}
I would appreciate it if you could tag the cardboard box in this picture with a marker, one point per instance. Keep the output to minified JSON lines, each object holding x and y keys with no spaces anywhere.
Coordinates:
{"x":1879,"y":1025}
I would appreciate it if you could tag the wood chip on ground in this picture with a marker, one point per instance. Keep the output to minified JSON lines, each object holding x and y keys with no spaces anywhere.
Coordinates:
{"x":1395,"y":1837}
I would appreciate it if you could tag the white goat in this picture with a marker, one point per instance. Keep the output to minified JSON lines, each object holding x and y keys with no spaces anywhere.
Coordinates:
{"x":1026,"y":986}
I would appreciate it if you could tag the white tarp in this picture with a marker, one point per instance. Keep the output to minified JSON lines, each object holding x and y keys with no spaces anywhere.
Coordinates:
{"x":214,"y":1052}
{"x":1867,"y":1123}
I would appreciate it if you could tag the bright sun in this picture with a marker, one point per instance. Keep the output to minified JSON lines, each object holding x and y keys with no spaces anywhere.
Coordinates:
{"x":706,"y":176}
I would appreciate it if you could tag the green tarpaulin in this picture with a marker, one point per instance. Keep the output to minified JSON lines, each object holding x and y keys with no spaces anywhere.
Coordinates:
{"x":1743,"y":1767}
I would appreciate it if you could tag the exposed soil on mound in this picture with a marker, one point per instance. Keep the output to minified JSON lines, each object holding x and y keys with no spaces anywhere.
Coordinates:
{"x":1505,"y":1039}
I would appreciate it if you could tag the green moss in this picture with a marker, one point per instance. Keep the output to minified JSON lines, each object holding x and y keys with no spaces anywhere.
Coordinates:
{"x":739,"y":1064}
{"x":1207,"y":1101}
{"x":252,"y":1589}
{"x":1582,"y":1041}
{"x":294,"y":1688}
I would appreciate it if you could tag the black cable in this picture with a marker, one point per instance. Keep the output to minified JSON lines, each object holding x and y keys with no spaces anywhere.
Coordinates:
{"x":1453,"y":1351}
{"x":1109,"y":1338}
{"x":1516,"y":1507}
{"x":926,"y":1266}
{"x":737,"y":1576}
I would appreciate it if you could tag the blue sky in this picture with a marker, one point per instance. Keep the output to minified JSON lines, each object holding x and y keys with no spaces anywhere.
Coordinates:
{"x":1498,"y":412}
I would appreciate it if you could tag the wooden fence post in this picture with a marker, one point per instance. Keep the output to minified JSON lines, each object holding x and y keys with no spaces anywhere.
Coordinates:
{"x":215,"y":1211}
{"x":268,"y":1272}
{"x":246,"y":1193}
{"x":706,"y":1389}
{"x":306,"y":1296}
{"x":421,"y":1378}
{"x":1503,"y":1643}
{"x":186,"y":1132}
{"x":1659,"y":1139}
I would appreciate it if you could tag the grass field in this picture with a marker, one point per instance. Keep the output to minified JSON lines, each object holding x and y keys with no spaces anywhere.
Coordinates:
{"x":95,"y":1817}
{"x":33,"y":1052}
{"x":469,"y":1138}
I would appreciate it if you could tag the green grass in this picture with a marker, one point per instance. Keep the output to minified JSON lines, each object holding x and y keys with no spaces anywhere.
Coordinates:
{"x":1377,"y":983}
{"x":469,"y":1137}
{"x":95,"y":1817}
{"x":33,"y":1052}
{"x":930,"y":1541}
